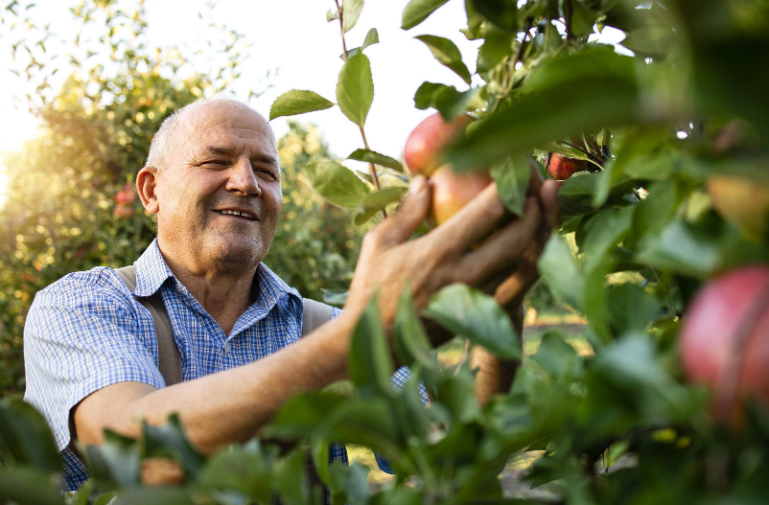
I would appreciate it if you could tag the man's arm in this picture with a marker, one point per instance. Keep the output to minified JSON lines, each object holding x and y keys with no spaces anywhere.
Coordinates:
{"x":231,"y":406}
{"x":225,"y":407}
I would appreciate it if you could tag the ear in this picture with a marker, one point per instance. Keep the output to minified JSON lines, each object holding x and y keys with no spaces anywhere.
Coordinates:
{"x":146,"y":184}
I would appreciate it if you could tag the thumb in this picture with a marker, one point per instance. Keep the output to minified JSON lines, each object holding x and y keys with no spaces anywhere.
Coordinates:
{"x":404,"y":222}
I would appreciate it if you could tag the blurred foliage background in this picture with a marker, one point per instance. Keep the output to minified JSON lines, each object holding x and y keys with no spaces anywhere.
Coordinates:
{"x":70,"y":200}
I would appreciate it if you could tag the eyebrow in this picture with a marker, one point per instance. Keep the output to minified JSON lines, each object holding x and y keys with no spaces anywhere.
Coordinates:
{"x":228,"y":151}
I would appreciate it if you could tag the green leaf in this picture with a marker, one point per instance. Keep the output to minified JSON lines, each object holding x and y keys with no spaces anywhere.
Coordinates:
{"x":603,"y":232}
{"x":241,"y":469}
{"x":423,"y":99}
{"x":171,"y":440}
{"x":349,"y":484}
{"x":331,"y":15}
{"x":502,"y":13}
{"x":409,"y":337}
{"x":372,"y":37}
{"x":496,"y":46}
{"x":355,"y":89}
{"x":27,"y":485}
{"x":336,"y":183}
{"x":367,"y":422}
{"x":683,"y":249}
{"x":376,"y":158}
{"x":655,"y":211}
{"x":376,"y":201}
{"x":470,"y":313}
{"x":350,"y":13}
{"x":512,"y":178}
{"x":650,"y":41}
{"x":370,"y":364}
{"x":25,"y":434}
{"x":447,"y":53}
{"x":410,"y":412}
{"x":154,"y":496}
{"x":116,"y":460}
{"x":631,"y":308}
{"x":417,"y":11}
{"x":298,"y":101}
{"x":290,"y":480}
{"x":320,"y":458}
{"x":446,"y":99}
{"x":456,"y":393}
{"x":582,"y":19}
{"x":581,"y":92}
{"x":301,"y":415}
{"x":557,"y":357}
{"x":560,"y":270}
{"x":450,"y":102}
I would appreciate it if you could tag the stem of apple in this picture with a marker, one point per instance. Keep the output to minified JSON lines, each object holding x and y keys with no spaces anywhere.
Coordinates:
{"x":371,"y":167}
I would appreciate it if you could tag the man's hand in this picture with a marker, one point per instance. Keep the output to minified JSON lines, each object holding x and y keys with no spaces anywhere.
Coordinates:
{"x":448,"y":254}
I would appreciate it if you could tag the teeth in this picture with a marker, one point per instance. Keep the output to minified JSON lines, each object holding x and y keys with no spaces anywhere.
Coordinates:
{"x":235,"y":213}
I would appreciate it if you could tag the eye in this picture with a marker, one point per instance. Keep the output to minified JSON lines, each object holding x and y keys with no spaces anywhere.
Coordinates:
{"x":220,"y":163}
{"x":269,"y":174}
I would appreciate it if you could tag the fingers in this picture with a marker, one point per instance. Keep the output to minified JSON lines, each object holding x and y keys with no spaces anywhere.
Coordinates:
{"x":548,"y":195}
{"x":513,"y":289}
{"x":472,"y":223}
{"x":504,"y":248}
{"x":404,"y":222}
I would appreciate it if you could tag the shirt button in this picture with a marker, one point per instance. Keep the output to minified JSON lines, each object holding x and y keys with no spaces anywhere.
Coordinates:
{"x":227,"y":347}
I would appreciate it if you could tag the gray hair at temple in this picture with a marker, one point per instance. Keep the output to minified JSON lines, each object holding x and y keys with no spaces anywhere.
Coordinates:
{"x":160,"y":145}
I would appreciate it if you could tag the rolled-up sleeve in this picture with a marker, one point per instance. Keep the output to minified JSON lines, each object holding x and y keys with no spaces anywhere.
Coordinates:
{"x":81,"y":336}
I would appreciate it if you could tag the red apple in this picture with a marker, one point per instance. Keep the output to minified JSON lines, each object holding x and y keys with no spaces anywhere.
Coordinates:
{"x":724,"y":341}
{"x":123,"y":211}
{"x":126,"y":195}
{"x":452,"y":191}
{"x":425,"y":144}
{"x":561,"y":168}
{"x":741,"y":201}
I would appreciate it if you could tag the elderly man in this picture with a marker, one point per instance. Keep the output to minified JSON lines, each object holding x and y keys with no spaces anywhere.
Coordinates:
{"x":213,"y":180}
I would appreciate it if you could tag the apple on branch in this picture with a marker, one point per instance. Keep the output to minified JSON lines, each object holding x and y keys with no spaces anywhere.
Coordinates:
{"x":724,"y":341}
{"x":561,"y":168}
{"x":427,"y":142}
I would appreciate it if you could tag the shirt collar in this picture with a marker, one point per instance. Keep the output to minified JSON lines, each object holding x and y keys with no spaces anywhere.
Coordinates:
{"x":152,"y":271}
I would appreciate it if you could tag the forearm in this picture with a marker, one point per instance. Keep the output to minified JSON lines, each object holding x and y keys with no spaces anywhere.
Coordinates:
{"x":231,"y":406}
{"x":495,"y":375}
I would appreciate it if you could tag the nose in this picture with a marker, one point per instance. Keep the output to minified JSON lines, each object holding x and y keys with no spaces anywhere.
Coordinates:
{"x":243,"y":180}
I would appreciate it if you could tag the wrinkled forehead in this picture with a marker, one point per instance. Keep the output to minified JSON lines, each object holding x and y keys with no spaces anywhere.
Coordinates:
{"x":223,"y":121}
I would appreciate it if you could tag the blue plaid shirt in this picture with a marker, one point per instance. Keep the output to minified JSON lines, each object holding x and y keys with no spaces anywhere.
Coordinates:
{"x":86,"y":331}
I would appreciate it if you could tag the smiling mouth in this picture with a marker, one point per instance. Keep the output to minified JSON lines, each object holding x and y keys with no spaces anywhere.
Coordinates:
{"x":237,"y":214}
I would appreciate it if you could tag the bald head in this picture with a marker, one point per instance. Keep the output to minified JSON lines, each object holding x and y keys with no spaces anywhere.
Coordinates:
{"x":177,"y":128}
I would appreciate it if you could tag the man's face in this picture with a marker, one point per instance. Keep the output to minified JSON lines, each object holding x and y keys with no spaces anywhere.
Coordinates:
{"x":222,"y":159}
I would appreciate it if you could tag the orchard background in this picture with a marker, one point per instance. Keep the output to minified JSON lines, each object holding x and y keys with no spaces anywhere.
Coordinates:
{"x":663,"y":251}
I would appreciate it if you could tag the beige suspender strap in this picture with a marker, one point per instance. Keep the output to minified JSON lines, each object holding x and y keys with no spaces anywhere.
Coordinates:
{"x":315,"y":314}
{"x":169,"y":359}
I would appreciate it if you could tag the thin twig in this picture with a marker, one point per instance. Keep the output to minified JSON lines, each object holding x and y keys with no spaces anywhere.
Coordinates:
{"x":371,"y":167}
{"x":464,"y":356}
{"x":341,"y":27}
{"x":516,"y":58}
